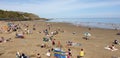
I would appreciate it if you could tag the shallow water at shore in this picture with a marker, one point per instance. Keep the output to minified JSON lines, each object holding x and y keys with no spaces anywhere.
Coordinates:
{"x":91,"y":22}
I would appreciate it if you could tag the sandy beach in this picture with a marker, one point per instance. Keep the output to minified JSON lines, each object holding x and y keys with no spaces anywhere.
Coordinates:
{"x":30,"y":44}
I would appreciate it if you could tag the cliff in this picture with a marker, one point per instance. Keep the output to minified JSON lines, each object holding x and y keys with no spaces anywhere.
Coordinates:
{"x":18,"y":16}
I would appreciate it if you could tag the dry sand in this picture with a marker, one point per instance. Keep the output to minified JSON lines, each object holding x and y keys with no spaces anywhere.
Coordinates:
{"x":94,"y":48}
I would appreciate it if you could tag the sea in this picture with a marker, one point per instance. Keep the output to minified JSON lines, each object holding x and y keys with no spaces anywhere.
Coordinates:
{"x":106,"y":23}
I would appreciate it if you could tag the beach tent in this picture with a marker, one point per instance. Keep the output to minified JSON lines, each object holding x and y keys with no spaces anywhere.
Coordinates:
{"x":87,"y":34}
{"x":59,"y":53}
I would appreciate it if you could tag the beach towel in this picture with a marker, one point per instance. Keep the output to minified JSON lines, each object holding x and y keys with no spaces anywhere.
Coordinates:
{"x":19,"y":36}
{"x":76,"y":44}
{"x":114,"y":49}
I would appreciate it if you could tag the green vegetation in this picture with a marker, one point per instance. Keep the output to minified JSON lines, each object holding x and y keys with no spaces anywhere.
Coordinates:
{"x":17,"y":16}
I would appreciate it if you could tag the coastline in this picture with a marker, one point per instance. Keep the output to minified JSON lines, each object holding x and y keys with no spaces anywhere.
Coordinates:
{"x":91,"y":24}
{"x":96,"y":25}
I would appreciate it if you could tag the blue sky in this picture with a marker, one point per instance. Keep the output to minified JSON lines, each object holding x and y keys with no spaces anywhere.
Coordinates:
{"x":65,"y":8}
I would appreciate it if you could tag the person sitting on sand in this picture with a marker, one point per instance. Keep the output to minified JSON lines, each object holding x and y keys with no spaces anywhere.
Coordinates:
{"x":74,"y":33}
{"x":69,"y":43}
{"x":116,"y":42}
{"x":38,"y":55}
{"x":1,"y":39}
{"x":48,"y":54}
{"x":23,"y":56}
{"x":43,"y":45}
{"x":69,"y":53}
{"x":112,"y":47}
{"x":34,"y":28}
{"x":46,"y":32}
{"x":17,"y":55}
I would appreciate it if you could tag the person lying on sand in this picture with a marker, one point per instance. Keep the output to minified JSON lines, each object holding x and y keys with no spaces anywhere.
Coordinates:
{"x":112,"y":48}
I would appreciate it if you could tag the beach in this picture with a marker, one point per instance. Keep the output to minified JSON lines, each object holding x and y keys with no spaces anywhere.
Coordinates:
{"x":30,"y":45}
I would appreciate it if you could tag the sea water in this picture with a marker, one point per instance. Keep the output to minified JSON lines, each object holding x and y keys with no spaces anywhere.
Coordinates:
{"x":109,"y":23}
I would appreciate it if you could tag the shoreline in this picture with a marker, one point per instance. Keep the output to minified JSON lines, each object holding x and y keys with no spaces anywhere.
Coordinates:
{"x":86,"y":24}
{"x":92,"y":23}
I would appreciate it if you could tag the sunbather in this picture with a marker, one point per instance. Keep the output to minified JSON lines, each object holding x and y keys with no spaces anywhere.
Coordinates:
{"x":112,"y":48}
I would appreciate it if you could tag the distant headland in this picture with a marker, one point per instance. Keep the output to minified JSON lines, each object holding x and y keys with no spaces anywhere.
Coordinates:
{"x":18,"y":16}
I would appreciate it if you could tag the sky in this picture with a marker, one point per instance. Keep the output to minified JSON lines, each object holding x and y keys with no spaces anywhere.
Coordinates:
{"x":65,"y":8}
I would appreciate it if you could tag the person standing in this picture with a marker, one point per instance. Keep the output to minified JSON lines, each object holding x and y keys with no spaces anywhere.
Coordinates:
{"x":82,"y":53}
{"x":69,"y":54}
{"x":53,"y":42}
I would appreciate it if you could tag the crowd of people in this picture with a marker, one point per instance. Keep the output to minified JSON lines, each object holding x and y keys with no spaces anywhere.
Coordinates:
{"x":50,"y":38}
